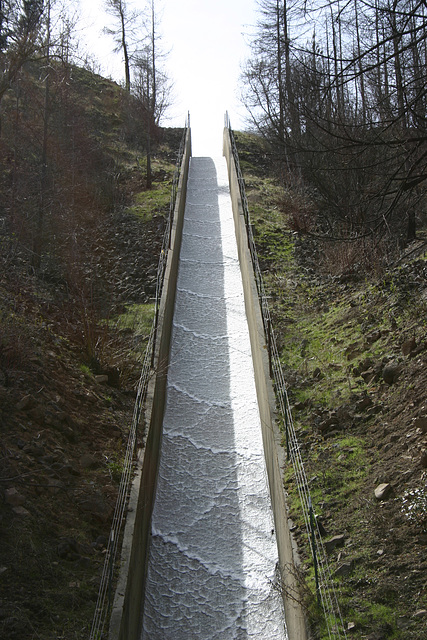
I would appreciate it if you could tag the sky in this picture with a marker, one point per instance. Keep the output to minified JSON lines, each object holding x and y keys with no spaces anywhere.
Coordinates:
{"x":207,"y":45}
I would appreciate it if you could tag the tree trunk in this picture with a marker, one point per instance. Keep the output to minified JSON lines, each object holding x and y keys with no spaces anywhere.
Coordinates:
{"x":125,"y":49}
{"x":281,"y":123}
{"x":294,"y":118}
{"x":411,"y":229}
{"x":149,"y":175}
{"x":361,"y":72}
{"x":398,"y":68}
{"x":38,"y":233}
{"x":336,"y":69}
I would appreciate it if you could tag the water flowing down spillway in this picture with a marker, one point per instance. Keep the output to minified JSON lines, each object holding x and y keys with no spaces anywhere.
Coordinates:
{"x":213,"y":553}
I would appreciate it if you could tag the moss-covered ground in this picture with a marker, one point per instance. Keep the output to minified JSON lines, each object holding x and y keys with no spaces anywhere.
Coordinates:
{"x":336,"y":331}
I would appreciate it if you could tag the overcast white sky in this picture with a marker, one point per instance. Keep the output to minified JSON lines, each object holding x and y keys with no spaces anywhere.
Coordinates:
{"x":207,"y":46}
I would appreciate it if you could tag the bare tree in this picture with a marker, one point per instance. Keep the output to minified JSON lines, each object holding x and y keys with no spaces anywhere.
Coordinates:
{"x":124,"y":31}
{"x":351,"y":105}
{"x":20,"y":32}
{"x":151,"y":85}
{"x":267,"y":76}
{"x":38,"y":232}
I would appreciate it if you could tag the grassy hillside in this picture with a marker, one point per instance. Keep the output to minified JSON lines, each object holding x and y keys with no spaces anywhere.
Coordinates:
{"x":72,"y":334}
{"x":353,"y":343}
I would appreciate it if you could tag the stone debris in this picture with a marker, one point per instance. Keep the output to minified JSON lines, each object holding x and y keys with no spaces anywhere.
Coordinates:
{"x":13,"y":497}
{"x":373,"y":336}
{"x":344,"y":569}
{"x":68,"y":549}
{"x":25,"y":403}
{"x":383,"y":491}
{"x":21,"y":511}
{"x":391,"y":372}
{"x":421,"y":613}
{"x":333,"y":543}
{"x":408,"y":346}
{"x":88,"y":462}
{"x":421,"y":423}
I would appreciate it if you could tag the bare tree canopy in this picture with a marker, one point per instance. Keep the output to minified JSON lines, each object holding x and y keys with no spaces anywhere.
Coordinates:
{"x":123,"y":33}
{"x":339,"y":90}
{"x":151,"y":85}
{"x":21,"y":31}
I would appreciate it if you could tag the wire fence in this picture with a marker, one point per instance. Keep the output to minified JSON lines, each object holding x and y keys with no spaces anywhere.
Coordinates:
{"x":326,"y":594}
{"x":105,"y":594}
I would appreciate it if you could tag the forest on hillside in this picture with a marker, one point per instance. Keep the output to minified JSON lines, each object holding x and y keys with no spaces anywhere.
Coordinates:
{"x":86,"y":176}
{"x":57,"y":167}
{"x":338,"y":89}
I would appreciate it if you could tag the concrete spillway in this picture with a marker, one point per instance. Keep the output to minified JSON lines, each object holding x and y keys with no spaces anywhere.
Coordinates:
{"x":213,"y":552}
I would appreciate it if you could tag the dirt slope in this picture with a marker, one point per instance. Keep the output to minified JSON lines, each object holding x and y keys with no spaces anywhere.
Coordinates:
{"x":72,"y":338}
{"x":354,"y":352}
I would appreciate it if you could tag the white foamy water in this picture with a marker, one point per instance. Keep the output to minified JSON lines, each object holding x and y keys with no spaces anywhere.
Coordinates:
{"x":213,"y":554}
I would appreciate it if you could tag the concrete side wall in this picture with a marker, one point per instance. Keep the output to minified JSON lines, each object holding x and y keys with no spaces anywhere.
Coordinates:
{"x":128,"y":603}
{"x":273,"y":450}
